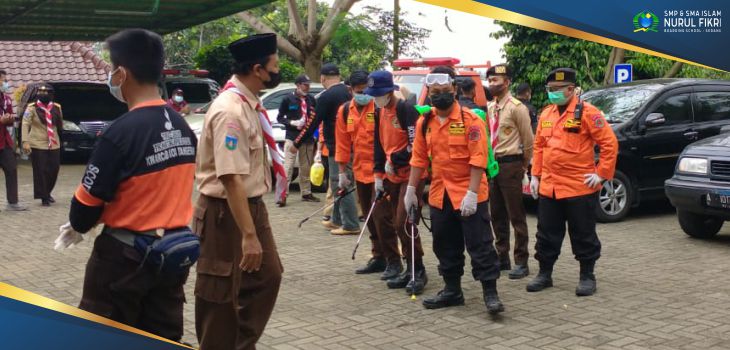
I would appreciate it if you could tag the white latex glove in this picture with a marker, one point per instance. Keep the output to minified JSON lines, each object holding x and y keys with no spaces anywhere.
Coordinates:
{"x":592,"y":180}
{"x":344,"y":181}
{"x":379,"y":188}
{"x":68,"y":237}
{"x":318,"y":157}
{"x":469,"y":204}
{"x":299,"y":124}
{"x":410,"y":199}
{"x":535,"y":187}
{"x":389,"y":169}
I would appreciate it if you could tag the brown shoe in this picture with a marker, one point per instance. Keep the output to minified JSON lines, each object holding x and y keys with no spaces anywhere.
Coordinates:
{"x":344,"y":232}
{"x":329,"y":225}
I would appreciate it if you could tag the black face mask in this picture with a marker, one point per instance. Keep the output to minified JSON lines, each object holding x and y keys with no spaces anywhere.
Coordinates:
{"x":496,"y":89}
{"x":275,"y":80}
{"x":44,"y":98}
{"x":442,"y":101}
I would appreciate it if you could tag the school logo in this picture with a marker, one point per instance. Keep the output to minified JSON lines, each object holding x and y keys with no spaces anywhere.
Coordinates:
{"x":646,"y":21}
{"x":231,"y":142}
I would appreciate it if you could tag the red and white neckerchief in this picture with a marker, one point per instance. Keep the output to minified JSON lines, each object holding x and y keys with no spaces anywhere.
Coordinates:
{"x":49,"y":122}
{"x":305,"y":115}
{"x":276,"y":158}
{"x":494,"y":125}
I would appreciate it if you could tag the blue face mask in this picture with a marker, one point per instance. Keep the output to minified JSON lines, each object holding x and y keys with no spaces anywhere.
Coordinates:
{"x":5,"y":87}
{"x":177,"y":98}
{"x":557,"y":97}
{"x":362,"y":99}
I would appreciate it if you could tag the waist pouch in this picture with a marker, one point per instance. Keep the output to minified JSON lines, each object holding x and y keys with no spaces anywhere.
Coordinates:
{"x":174,"y":253}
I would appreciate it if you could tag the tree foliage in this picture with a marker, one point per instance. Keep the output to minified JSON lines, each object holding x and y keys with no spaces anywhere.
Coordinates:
{"x":532,"y":53}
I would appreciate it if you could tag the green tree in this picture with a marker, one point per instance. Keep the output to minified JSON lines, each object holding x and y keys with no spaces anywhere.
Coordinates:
{"x":532,"y":53}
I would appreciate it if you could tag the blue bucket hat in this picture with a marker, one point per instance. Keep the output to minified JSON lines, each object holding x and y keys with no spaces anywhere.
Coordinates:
{"x":380,"y":83}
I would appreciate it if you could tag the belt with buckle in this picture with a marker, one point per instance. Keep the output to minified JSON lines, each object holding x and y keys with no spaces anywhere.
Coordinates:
{"x":510,"y":158}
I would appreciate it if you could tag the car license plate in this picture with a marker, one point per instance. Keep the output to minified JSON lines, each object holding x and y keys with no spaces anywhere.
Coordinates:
{"x":719,"y":200}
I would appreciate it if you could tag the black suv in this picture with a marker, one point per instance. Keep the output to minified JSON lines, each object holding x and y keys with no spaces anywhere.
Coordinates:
{"x":87,"y":107}
{"x":700,"y":187}
{"x":654,"y":121}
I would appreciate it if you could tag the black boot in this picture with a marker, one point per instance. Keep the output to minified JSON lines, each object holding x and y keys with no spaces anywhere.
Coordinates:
{"x":520,"y":271}
{"x":491,"y":298}
{"x":392,"y":270}
{"x":505,"y":265}
{"x":451,"y":295}
{"x":419,"y":283}
{"x":544,"y":279}
{"x":374,"y":265}
{"x":587,"y":282}
{"x":401,"y":280}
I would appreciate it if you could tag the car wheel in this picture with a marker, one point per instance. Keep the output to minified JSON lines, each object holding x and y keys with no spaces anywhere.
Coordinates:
{"x":698,"y":225}
{"x":614,"y":199}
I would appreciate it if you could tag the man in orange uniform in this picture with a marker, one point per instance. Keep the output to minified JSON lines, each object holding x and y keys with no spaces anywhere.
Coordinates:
{"x":395,"y":127}
{"x":455,"y":141}
{"x":566,"y":178}
{"x":354,"y":129}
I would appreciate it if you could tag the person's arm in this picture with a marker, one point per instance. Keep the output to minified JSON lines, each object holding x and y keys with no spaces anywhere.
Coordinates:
{"x":524,"y":127}
{"x":343,"y":145}
{"x":98,"y":186}
{"x":603,"y":136}
{"x":379,"y":155}
{"x":283,"y":117}
{"x":185,"y":110}
{"x":25,"y":128}
{"x":537,"y":148}
{"x":408,"y":115}
{"x":237,"y":199}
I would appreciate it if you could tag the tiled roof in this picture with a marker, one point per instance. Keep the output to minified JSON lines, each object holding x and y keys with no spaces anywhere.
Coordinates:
{"x":35,"y":61}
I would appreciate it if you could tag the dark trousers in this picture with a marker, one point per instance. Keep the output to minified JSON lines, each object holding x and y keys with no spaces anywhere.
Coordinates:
{"x":505,"y":203}
{"x":451,"y":232}
{"x":115,"y":288}
{"x":382,"y":235}
{"x":46,"y":164}
{"x":232,"y":307}
{"x":579,"y":213}
{"x":396,"y":192}
{"x":10,"y":168}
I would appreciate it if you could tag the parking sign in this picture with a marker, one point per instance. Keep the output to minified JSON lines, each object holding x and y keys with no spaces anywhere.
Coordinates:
{"x":622,"y":73}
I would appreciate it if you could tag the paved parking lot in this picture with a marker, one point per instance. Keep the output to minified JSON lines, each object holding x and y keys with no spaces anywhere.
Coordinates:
{"x":657,"y":288}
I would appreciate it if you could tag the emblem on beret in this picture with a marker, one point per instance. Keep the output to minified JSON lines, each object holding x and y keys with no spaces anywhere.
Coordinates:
{"x":559,"y":75}
{"x":500,"y":70}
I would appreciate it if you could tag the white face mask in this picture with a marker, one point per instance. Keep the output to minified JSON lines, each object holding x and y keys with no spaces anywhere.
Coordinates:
{"x":177,"y":98}
{"x":5,"y":87}
{"x":116,"y":91}
{"x":382,"y":101}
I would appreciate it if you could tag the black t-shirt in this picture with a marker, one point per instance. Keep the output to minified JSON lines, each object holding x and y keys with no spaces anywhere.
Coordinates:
{"x":141,"y":173}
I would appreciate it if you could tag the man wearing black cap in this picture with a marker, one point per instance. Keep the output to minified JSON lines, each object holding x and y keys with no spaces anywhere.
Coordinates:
{"x":344,"y":213}
{"x":467,"y":94}
{"x":295,"y":111}
{"x":239,"y":271}
{"x":511,"y":133}
{"x":567,"y":179}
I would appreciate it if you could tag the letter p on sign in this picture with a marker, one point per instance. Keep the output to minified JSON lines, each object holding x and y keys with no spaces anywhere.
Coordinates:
{"x":622,"y":73}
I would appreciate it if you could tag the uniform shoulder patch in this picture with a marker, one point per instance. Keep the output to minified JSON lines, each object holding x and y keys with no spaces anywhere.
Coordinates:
{"x":474,"y":133}
{"x":231,"y":142}
{"x":516,"y":101}
{"x":598,"y":121}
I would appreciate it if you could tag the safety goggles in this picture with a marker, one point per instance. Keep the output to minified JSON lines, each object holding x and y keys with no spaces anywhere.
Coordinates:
{"x":438,"y":79}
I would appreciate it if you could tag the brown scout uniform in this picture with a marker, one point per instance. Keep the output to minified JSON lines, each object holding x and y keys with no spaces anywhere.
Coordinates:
{"x":232,"y":307}
{"x":45,"y":159}
{"x":513,"y":151}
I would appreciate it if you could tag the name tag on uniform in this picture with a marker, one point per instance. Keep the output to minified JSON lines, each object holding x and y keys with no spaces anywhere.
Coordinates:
{"x":350,"y":121}
{"x":456,"y":129}
{"x":546,"y":124}
{"x":572,"y":123}
{"x":370,"y":117}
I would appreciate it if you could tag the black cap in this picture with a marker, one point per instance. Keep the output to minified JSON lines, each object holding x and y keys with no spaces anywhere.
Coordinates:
{"x":330,"y":69}
{"x":522,"y":88}
{"x":563,"y":75}
{"x":500,"y":69}
{"x":254,"y":47}
{"x":303,"y":79}
{"x":178,"y":90}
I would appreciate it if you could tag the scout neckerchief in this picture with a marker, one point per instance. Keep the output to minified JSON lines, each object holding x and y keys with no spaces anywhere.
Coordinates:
{"x":49,"y":122}
{"x":494,"y":125}
{"x":278,"y":164}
